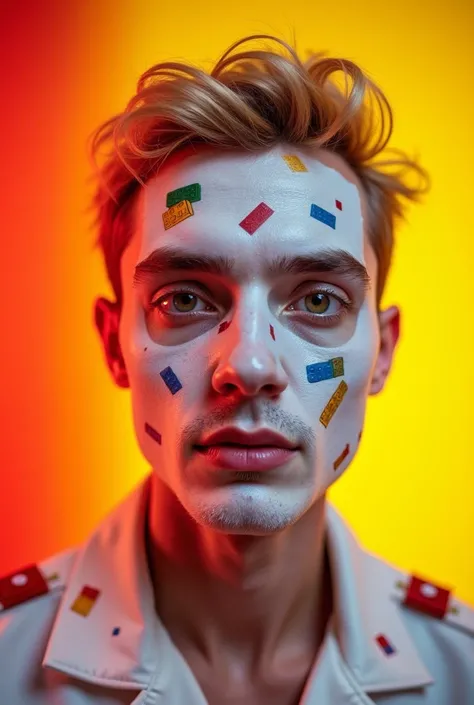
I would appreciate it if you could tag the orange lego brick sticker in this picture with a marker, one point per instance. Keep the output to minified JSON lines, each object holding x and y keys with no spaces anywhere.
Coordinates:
{"x":177,"y":213}
{"x":85,"y":601}
{"x":340,"y":459}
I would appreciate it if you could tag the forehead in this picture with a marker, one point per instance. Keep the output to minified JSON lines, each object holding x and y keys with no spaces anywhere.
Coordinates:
{"x":321,"y":205}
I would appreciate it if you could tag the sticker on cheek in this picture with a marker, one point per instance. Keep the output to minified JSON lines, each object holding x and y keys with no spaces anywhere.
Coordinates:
{"x":323,"y":216}
{"x":320,"y":371}
{"x":85,"y":601}
{"x":223,"y":326}
{"x":294,"y":162}
{"x":340,"y":459}
{"x":338,"y":205}
{"x":177,"y":213}
{"x":170,"y":379}
{"x":272,"y":332}
{"x":256,"y":218}
{"x":333,"y":404}
{"x":153,"y":433}
{"x":191,"y":193}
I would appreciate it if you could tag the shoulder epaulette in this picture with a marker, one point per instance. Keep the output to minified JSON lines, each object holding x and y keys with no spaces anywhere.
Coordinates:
{"x":435,"y":601}
{"x":35,"y":579}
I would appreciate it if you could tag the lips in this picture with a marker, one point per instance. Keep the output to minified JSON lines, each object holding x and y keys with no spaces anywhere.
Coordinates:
{"x":236,"y":436}
{"x":234,"y":449}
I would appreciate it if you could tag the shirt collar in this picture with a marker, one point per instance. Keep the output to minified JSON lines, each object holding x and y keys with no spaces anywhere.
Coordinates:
{"x":113,"y":561}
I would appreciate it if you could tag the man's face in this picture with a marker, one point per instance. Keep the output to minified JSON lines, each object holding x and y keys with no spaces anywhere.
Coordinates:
{"x":263,"y":370}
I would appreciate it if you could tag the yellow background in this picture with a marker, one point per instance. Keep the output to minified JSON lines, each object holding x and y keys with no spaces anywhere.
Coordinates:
{"x":69,"y":441}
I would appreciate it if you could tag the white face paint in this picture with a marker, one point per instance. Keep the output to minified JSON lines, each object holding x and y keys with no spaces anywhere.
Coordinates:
{"x":245,"y":376}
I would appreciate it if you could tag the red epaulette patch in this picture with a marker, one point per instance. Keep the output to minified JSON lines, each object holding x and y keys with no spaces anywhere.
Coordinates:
{"x":21,"y":586}
{"x":426,"y":597}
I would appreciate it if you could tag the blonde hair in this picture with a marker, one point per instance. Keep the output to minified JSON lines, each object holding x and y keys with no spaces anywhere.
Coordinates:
{"x":250,"y":100}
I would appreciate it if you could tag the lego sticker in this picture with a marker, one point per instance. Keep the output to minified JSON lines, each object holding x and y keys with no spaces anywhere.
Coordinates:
{"x":153,"y":433}
{"x":338,"y":205}
{"x":323,"y":216}
{"x":191,"y":193}
{"x":85,"y":601}
{"x":385,"y":645}
{"x":223,"y":326}
{"x":272,"y":332}
{"x":320,"y":371}
{"x":333,"y":404}
{"x":177,"y":213}
{"x":341,"y":457}
{"x":170,"y":379}
{"x":256,"y":218}
{"x":294,"y":162}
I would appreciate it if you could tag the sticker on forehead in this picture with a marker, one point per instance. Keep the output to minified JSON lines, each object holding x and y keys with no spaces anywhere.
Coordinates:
{"x":333,"y":404}
{"x":191,"y":193}
{"x":323,"y":216}
{"x":341,"y":457}
{"x":319,"y":371}
{"x":177,"y":213}
{"x":256,"y":218}
{"x":294,"y":162}
{"x":153,"y":433}
{"x":338,"y":205}
{"x":170,"y":379}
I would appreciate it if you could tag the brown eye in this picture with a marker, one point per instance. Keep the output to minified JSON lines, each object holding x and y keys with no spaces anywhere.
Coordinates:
{"x":184,"y":302}
{"x":317,"y":303}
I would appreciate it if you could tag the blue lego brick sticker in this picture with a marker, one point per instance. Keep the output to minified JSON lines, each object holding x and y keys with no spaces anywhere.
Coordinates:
{"x":323,"y":216}
{"x":170,"y":379}
{"x":320,"y":371}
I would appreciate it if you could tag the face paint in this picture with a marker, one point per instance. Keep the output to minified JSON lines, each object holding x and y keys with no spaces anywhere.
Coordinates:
{"x":308,"y":379}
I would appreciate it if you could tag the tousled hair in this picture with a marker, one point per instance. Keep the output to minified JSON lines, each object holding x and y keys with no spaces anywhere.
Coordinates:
{"x":251,"y":100}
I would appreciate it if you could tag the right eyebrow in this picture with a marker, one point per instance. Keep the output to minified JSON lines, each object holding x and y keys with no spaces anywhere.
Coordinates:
{"x":335,"y":261}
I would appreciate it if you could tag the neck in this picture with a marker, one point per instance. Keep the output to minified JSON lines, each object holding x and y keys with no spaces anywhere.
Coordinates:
{"x":255,"y":596}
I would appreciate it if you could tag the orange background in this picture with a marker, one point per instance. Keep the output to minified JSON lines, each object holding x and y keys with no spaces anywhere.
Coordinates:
{"x":69,"y":452}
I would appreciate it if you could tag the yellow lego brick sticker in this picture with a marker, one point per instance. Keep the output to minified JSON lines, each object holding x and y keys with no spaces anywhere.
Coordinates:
{"x":294,"y":162}
{"x":177,"y":213}
{"x":333,"y":404}
{"x":338,"y":366}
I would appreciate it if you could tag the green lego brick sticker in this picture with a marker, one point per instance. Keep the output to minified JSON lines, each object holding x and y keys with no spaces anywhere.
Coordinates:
{"x":190,"y":193}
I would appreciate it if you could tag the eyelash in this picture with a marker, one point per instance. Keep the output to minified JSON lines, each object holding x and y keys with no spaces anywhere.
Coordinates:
{"x":346,"y":306}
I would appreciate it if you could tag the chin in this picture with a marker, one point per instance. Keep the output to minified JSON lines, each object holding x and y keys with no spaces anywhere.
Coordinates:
{"x":246,"y":509}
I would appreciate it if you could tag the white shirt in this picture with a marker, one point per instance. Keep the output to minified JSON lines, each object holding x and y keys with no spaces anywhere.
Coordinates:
{"x":110,"y":648}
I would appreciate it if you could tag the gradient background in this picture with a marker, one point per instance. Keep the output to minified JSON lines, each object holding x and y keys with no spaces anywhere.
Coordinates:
{"x":68,"y":448}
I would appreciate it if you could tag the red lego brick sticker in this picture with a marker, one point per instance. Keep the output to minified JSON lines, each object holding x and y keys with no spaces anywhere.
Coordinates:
{"x":426,"y":597}
{"x":21,"y":586}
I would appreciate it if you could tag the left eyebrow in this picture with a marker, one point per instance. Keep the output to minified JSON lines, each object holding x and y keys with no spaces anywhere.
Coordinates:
{"x":335,"y":261}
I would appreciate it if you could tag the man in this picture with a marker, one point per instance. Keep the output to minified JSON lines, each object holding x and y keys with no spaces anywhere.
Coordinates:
{"x":247,"y":235}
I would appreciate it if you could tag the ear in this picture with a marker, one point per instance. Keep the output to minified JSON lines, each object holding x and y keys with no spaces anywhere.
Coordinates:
{"x":107,"y":321}
{"x":389,"y":324}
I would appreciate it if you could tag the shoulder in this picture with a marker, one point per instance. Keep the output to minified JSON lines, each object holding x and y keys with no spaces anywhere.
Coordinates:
{"x":29,"y":600}
{"x":440,"y":625}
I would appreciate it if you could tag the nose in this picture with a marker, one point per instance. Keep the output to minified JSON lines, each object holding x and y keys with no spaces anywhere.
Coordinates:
{"x":248,"y":361}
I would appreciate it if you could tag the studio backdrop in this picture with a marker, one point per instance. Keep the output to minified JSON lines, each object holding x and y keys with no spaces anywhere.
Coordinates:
{"x":68,"y":448}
